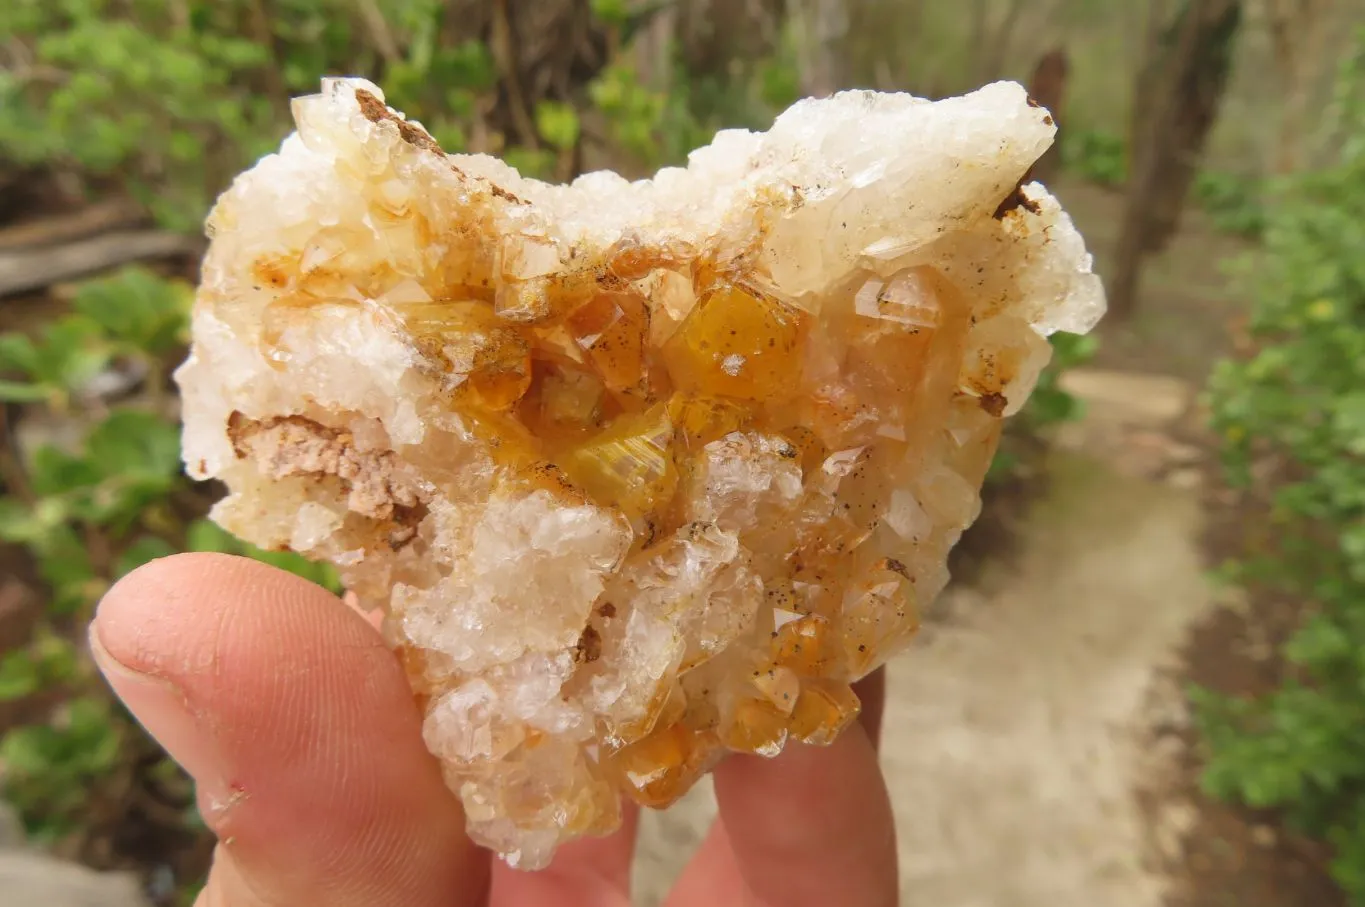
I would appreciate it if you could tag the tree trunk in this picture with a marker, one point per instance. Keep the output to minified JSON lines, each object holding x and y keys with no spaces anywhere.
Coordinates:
{"x":714,"y":34}
{"x":1048,"y":88}
{"x":654,"y":50}
{"x":1177,"y":103}
{"x":1298,"y":33}
{"x":821,"y":26}
{"x":980,"y":34}
{"x":544,"y":50}
{"x":998,"y":43}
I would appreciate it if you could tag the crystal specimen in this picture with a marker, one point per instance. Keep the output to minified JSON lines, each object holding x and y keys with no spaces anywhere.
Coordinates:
{"x":641,"y":473}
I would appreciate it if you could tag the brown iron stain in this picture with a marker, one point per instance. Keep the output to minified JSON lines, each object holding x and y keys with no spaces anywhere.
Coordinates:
{"x":589,"y":647}
{"x":1016,"y":200}
{"x":376,"y":111}
{"x":993,"y":403}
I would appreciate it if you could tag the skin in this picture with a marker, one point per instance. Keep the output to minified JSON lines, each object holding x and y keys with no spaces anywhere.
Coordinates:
{"x":301,"y":734}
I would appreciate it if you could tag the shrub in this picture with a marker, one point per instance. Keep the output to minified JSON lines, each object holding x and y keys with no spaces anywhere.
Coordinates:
{"x":1299,"y":400}
{"x":88,"y":513}
{"x":1050,"y":406}
{"x":1096,"y":156}
{"x":1235,"y":203}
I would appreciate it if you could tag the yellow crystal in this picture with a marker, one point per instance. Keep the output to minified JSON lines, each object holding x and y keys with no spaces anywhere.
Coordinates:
{"x":662,"y":767}
{"x":629,"y":467}
{"x":611,"y":328}
{"x":823,"y":710}
{"x":737,"y":343}
{"x":756,"y":726}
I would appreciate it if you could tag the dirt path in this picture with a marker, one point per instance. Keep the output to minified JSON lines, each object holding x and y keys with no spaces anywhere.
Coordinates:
{"x":1019,"y":727}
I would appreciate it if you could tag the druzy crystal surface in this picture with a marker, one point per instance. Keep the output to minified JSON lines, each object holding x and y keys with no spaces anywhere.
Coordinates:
{"x":640,"y":473}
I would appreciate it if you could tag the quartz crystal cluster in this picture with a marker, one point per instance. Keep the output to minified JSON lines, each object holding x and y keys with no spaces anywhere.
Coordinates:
{"x":641,"y":473}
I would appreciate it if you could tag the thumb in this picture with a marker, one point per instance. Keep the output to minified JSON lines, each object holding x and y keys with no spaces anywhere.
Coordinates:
{"x":300,"y":732}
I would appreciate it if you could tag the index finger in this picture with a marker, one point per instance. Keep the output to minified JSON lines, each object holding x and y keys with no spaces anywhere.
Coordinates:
{"x":809,"y":828}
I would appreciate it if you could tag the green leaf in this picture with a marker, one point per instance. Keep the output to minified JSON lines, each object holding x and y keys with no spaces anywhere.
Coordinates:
{"x":19,"y":676}
{"x":135,"y":306}
{"x":205,"y":535}
{"x":48,"y":660}
{"x":611,"y":12}
{"x":16,"y":392}
{"x":322,"y":574}
{"x":64,"y":563}
{"x":19,"y":523}
{"x":18,"y":353}
{"x":144,"y":550}
{"x":52,"y":471}
{"x":135,"y":442}
{"x":558,"y":124}
{"x":1348,"y":420}
{"x":71,"y":353}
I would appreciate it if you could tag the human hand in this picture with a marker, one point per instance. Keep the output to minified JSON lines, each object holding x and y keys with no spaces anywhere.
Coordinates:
{"x":299,"y":729}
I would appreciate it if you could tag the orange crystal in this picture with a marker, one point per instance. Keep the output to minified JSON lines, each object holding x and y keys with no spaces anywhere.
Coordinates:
{"x":737,"y":343}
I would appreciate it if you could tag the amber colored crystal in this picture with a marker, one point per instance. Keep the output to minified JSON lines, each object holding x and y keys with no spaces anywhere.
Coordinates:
{"x":879,"y":614}
{"x":488,"y":361}
{"x":611,"y":328}
{"x":737,"y":343}
{"x":806,"y":645}
{"x":661,"y":767}
{"x":756,"y":726}
{"x":630,"y":465}
{"x":701,"y":420}
{"x":823,"y":710}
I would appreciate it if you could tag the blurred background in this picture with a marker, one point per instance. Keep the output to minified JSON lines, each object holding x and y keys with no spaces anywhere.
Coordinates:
{"x":1146,"y":685}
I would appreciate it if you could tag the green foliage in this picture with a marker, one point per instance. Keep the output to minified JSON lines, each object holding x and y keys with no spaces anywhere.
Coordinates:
{"x":55,"y":365}
{"x":558,"y":124}
{"x":92,"y":512}
{"x":636,"y":114}
{"x":139,"y":313}
{"x":203,"y":535}
{"x":47,"y":661}
{"x":1048,"y":407}
{"x":158,"y":104}
{"x":1049,"y":404}
{"x":612,"y":12}
{"x":1298,"y":401}
{"x":50,"y":768}
{"x":1095,"y":156}
{"x":174,"y":101}
{"x":1235,"y":203}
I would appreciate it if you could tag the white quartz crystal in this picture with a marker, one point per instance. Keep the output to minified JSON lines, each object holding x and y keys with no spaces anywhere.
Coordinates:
{"x":641,"y":472}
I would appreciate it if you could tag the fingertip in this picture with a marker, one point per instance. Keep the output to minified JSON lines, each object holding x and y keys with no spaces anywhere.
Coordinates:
{"x":155,"y":619}
{"x":812,"y":826}
{"x":299,"y":726}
